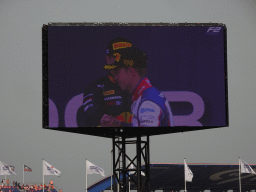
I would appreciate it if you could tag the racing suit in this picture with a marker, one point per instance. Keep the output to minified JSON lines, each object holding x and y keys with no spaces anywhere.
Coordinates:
{"x":150,"y":108}
{"x":103,"y":96}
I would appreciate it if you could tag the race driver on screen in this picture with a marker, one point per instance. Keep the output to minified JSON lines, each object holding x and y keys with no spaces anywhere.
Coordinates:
{"x":104,"y":96}
{"x":149,"y":107}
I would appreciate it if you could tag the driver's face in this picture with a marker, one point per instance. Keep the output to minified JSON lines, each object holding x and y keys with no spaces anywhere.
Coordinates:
{"x":110,"y":59}
{"x":123,"y":77}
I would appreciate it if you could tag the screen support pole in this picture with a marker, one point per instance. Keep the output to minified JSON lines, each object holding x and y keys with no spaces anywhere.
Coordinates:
{"x":127,"y":169}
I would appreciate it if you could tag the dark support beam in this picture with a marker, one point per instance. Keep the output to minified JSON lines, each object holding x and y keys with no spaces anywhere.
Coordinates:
{"x":147,"y":166}
{"x":122,"y":162}
{"x":138,"y":146}
{"x":114,"y":159}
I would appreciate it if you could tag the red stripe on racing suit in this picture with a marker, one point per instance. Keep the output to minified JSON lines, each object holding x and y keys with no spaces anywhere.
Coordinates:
{"x":150,"y":108}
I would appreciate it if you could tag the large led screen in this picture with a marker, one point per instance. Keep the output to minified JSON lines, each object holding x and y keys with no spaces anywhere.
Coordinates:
{"x":186,"y":62}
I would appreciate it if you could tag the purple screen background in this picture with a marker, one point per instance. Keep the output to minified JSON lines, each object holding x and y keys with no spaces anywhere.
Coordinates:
{"x":180,"y":58}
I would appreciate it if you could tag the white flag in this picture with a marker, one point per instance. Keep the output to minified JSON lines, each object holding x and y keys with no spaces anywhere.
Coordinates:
{"x":91,"y":169}
{"x":12,"y":167}
{"x":245,"y":168}
{"x":50,"y":170}
{"x":132,"y":172}
{"x":188,"y":172}
{"x":5,"y":169}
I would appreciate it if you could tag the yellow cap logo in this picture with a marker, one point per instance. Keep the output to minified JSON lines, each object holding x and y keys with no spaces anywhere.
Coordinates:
{"x":117,"y":55}
{"x":109,"y":67}
{"x":121,"y":45}
{"x":128,"y":63}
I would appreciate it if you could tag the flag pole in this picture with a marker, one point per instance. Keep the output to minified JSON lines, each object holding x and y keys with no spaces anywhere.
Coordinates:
{"x":111,"y":152}
{"x":185,"y":176}
{"x":129,"y":178}
{"x":86,"y":173}
{"x":43,"y":175}
{"x":23,"y":174}
{"x":239,"y":174}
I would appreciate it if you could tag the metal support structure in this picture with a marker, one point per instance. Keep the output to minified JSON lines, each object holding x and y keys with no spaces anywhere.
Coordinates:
{"x":138,"y":148}
{"x":147,"y":172}
{"x":122,"y":164}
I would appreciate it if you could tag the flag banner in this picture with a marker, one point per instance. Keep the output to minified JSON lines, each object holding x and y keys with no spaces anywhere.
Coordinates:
{"x":26,"y":168}
{"x":245,"y":168}
{"x":188,"y":173}
{"x":91,"y":169}
{"x":6,"y":169}
{"x":132,"y":172}
{"x":50,"y":170}
{"x":3,"y":169}
{"x":12,"y":167}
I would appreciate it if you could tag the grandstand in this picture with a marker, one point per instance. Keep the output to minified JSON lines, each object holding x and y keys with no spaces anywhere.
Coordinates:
{"x":15,"y":189}
{"x":30,"y":187}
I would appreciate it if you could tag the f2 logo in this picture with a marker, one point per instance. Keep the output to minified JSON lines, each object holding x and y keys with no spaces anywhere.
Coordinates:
{"x":214,"y":29}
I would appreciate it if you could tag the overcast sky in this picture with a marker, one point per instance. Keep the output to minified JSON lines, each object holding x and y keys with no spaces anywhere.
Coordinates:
{"x":22,"y":139}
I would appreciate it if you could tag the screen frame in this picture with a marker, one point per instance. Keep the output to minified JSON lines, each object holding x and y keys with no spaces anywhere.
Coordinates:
{"x":127,"y":132}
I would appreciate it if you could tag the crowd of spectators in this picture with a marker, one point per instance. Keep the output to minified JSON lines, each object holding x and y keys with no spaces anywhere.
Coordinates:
{"x":5,"y":187}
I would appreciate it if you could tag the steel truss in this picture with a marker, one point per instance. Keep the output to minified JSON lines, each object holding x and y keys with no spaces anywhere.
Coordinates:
{"x":122,"y":167}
